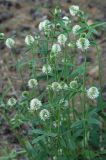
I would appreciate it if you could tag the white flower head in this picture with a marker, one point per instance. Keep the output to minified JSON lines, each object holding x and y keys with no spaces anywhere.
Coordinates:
{"x":83,"y":43}
{"x":46,"y":69}
{"x":10,"y":43}
{"x":62,"y":39}
{"x":49,"y":87}
{"x":66,"y":20}
{"x":56,"y":86}
{"x":29,"y":40}
{"x":64,"y":102}
{"x":74,"y":9}
{"x":64,"y":86}
{"x":32,"y":83}
{"x":56,"y":48}
{"x":73,"y":84}
{"x":92,"y":93}
{"x":45,"y":25}
{"x":12,"y":101}
{"x":44,"y":114}
{"x":35,"y":104}
{"x":75,"y":29}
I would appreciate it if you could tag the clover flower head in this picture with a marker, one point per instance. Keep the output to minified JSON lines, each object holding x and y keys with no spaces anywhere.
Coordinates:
{"x":49,"y":87}
{"x":64,"y":86}
{"x":75,"y":29}
{"x":62,"y":39}
{"x":56,"y":86}
{"x":92,"y":93}
{"x":74,"y":9}
{"x":29,"y":40}
{"x":44,"y":114}
{"x":35,"y":104}
{"x":63,"y":102}
{"x":44,"y":25}
{"x":32,"y":83}
{"x":56,"y":48}
{"x":83,"y":43}
{"x":2,"y":36}
{"x":12,"y":102}
{"x":10,"y":42}
{"x":73,"y":84}
{"x":46,"y":69}
{"x":66,"y":20}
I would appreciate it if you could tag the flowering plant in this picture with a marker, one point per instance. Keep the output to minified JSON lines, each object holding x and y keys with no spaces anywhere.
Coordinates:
{"x":61,"y":113}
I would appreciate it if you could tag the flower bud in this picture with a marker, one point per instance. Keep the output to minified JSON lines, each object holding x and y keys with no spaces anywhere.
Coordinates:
{"x":62,"y":39}
{"x":29,"y":40}
{"x":2,"y":36}
{"x":10,"y":43}
{"x":56,"y":48}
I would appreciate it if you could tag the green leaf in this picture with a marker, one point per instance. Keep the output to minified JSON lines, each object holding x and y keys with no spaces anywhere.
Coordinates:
{"x":93,"y":121}
{"x":41,"y":132}
{"x":97,"y":24}
{"x":77,"y":124}
{"x":79,"y":71}
{"x":30,"y":149}
{"x":40,"y":138}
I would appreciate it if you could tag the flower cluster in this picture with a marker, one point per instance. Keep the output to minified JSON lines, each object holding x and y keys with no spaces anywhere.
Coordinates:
{"x":32,"y":83}
{"x":46,"y":69}
{"x":92,"y":93}
{"x":56,"y":86}
{"x":75,"y":29}
{"x":12,"y":102}
{"x":35,"y":104}
{"x":44,"y":114}
{"x":83,"y":43}
{"x":10,"y":42}
{"x":74,"y":9}
{"x":56,"y":48}
{"x":29,"y":40}
{"x":62,"y":39}
{"x":73,"y":84}
{"x":45,"y":26}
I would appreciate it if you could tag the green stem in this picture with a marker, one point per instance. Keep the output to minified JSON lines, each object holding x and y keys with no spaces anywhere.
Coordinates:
{"x":84,"y":100}
{"x":100,"y":68}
